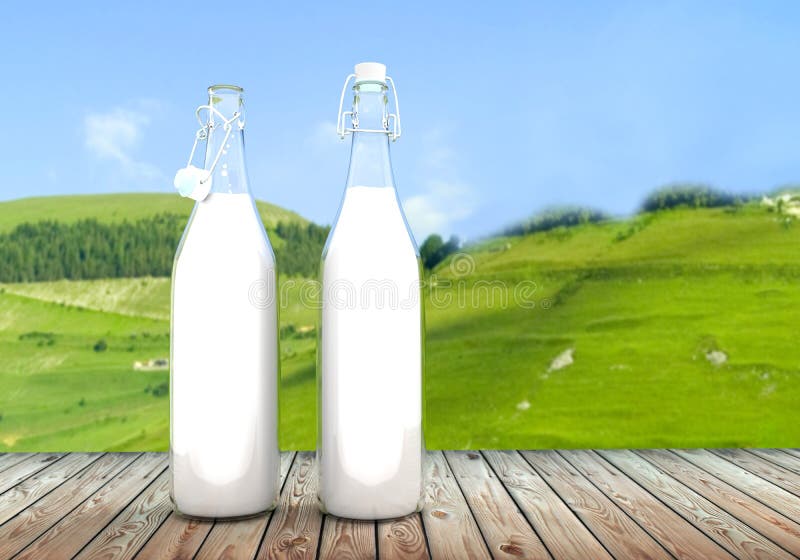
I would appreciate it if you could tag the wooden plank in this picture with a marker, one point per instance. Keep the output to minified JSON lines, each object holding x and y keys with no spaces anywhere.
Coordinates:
{"x":23,"y":529}
{"x":451,"y":529}
{"x":31,"y":489}
{"x":25,"y":468}
{"x":779,"y":458}
{"x":347,"y":539}
{"x":11,"y":459}
{"x":126,"y":534}
{"x":734,"y":536}
{"x":792,"y":452}
{"x":562,"y":532}
{"x":295,"y":528}
{"x":66,"y":538}
{"x":762,"y":490}
{"x":618,"y":532}
{"x":178,"y":538}
{"x":777,"y":475}
{"x":766,"y":521}
{"x":680,"y":538}
{"x":402,"y":538}
{"x":505,"y":529}
{"x":240,"y":538}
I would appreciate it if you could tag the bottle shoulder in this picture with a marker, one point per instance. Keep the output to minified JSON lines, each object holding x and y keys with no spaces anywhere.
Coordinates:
{"x":225,"y":226}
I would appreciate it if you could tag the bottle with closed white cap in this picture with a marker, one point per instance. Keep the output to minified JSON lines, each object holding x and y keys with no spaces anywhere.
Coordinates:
{"x":224,"y":459}
{"x":370,"y":444}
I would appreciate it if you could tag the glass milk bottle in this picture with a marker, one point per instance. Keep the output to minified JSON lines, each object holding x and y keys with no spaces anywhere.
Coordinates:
{"x":224,"y":457}
{"x":370,"y":444}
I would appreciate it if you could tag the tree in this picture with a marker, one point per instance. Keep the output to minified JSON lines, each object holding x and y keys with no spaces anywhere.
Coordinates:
{"x":434,"y":250}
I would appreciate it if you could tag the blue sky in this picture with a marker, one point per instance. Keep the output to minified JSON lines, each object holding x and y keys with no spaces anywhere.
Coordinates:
{"x":506,"y":109}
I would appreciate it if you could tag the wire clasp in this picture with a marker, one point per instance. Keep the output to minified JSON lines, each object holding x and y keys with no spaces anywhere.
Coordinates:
{"x":192,"y":181}
{"x":391,"y":121}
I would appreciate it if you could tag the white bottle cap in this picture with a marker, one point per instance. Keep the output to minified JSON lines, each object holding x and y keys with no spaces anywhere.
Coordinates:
{"x":193,"y":182}
{"x":371,"y":72}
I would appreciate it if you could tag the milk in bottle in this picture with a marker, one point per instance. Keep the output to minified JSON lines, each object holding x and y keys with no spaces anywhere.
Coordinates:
{"x":224,"y":456}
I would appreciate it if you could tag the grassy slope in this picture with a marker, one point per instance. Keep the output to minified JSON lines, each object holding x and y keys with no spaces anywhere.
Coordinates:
{"x":640,"y":314}
{"x":115,"y":207}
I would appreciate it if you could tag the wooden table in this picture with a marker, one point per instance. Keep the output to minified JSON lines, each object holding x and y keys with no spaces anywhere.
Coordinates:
{"x":504,"y":504}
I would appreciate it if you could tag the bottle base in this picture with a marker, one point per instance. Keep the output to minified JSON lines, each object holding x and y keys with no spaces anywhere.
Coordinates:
{"x":235,"y":517}
{"x":345,"y":515}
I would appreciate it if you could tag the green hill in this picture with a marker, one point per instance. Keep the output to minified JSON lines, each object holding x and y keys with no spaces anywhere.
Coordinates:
{"x":115,"y":208}
{"x":680,"y":327}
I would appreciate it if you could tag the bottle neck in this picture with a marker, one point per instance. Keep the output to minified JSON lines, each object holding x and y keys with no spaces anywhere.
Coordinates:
{"x":230,"y":172}
{"x":370,"y":161}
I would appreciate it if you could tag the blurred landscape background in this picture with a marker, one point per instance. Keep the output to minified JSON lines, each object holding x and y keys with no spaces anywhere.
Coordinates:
{"x":674,"y":327}
{"x":604,"y":194}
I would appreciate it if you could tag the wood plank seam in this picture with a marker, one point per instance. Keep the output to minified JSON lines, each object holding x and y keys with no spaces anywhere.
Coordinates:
{"x":32,"y":474}
{"x":53,"y":522}
{"x":774,"y":520}
{"x":634,"y":544}
{"x":272,"y":517}
{"x":147,"y":540}
{"x":664,"y":502}
{"x":516,"y":504}
{"x":466,"y":501}
{"x":319,"y":542}
{"x":661,"y":539}
{"x":124,"y":507}
{"x":777,"y":477}
{"x":747,"y":491}
{"x":19,"y":488}
{"x":562,"y":452}
{"x":43,"y":496}
{"x":103,"y":497}
{"x":30,"y":462}
{"x":565,"y":504}
{"x":682,"y":493}
{"x":776,"y":457}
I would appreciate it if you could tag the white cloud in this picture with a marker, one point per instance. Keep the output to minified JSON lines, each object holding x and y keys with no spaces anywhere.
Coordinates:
{"x":446,"y":200}
{"x":436,"y":210}
{"x":115,"y":136}
{"x":324,"y":135}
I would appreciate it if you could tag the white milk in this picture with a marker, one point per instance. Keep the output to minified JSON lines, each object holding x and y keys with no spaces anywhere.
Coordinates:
{"x":224,"y":416}
{"x":370,"y":440}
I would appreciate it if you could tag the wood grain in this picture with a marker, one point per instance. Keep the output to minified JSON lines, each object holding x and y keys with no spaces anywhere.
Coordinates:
{"x":792,"y":452}
{"x":24,"y":528}
{"x":402,"y":538}
{"x":679,"y":538}
{"x":178,"y":538}
{"x":452,"y":532}
{"x":618,"y":532}
{"x":126,"y":534}
{"x":767,"y":470}
{"x":569,"y":537}
{"x":762,"y":490}
{"x":31,"y":489}
{"x":296,"y":524}
{"x":240,"y":538}
{"x":10,"y":459}
{"x":498,"y":504}
{"x":779,"y":458}
{"x":66,"y":538}
{"x":730,"y":533}
{"x":347,"y":539}
{"x":505,"y":529}
{"x":15,"y":474}
{"x":766,"y":521}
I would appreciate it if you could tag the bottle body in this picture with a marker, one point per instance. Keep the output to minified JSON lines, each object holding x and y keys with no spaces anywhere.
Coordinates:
{"x":370,"y":444}
{"x":224,"y":456}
